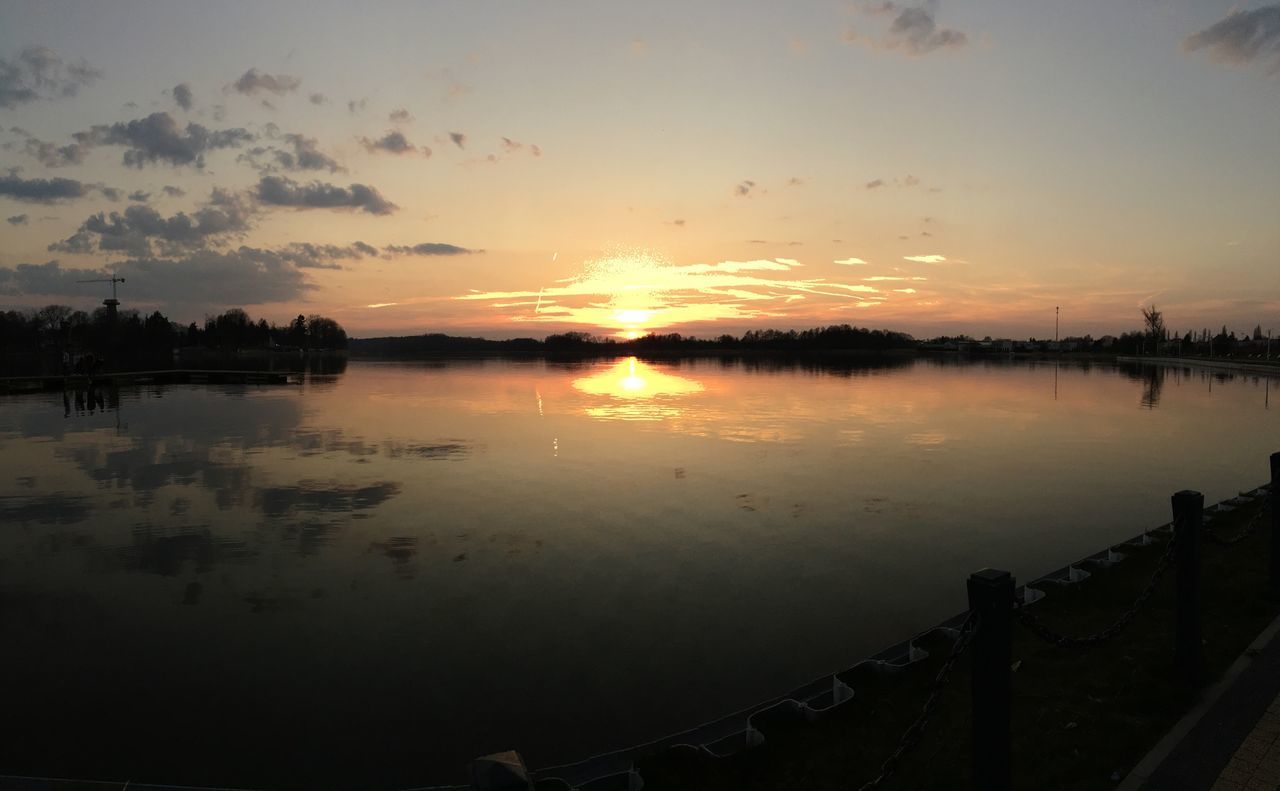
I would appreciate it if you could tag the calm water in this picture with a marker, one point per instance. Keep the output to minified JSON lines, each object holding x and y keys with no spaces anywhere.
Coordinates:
{"x":369,"y":579}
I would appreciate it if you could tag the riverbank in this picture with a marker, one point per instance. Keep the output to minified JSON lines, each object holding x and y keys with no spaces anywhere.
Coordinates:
{"x":1214,"y":363}
{"x":35,"y":384}
{"x":1082,"y":719}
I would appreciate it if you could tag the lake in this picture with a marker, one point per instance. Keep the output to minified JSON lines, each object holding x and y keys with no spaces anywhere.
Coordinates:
{"x":368,"y":579}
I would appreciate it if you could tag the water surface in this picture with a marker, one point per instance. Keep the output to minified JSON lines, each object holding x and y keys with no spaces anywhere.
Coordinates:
{"x":369,"y":579}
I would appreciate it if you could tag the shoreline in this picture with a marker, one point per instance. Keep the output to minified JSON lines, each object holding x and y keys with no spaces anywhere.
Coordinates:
{"x":739,"y":732}
{"x":17,"y":385}
{"x":1213,"y":363}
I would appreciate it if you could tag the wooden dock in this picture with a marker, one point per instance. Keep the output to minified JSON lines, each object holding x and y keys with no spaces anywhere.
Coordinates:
{"x":57,"y":382}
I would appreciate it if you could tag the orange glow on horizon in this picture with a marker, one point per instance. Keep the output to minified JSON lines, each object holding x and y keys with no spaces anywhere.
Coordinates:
{"x":632,"y":293}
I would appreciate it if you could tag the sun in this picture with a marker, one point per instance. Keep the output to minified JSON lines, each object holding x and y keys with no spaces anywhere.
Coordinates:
{"x":633,"y":316}
{"x":633,"y":322}
{"x":634,"y":282}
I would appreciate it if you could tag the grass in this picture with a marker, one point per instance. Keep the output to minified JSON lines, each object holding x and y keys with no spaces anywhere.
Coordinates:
{"x":1081,"y":718}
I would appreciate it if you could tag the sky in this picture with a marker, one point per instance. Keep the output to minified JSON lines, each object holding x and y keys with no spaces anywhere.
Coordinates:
{"x":515,"y":169}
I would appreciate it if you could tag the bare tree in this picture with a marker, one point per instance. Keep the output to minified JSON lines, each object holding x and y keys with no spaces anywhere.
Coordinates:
{"x":1154,"y":320}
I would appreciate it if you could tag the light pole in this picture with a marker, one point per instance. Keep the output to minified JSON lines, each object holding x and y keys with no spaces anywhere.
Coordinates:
{"x":1055,"y":323}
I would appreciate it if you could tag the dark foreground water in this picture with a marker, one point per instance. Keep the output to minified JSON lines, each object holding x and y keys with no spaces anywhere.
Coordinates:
{"x":367,"y":580}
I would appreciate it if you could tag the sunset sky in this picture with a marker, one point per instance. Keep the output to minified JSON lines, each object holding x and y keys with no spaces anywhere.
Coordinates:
{"x":516,"y":169}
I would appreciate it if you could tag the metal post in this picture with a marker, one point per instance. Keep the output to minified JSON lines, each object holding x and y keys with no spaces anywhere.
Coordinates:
{"x":1272,"y":502}
{"x":991,"y":600}
{"x":1188,"y":515}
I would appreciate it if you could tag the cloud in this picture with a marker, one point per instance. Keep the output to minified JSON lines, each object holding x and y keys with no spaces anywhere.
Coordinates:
{"x":356,"y":106}
{"x":318,"y":98}
{"x":926,"y":259}
{"x":1241,"y":37}
{"x":159,"y":138}
{"x":139,"y":196}
{"x":253,"y":82}
{"x":393,"y":142}
{"x":679,"y":223}
{"x":744,"y":189}
{"x":322,"y":256}
{"x":511,"y":146}
{"x":429,"y":248}
{"x":182,"y":95}
{"x":459,"y":139}
{"x":634,"y":291}
{"x":913,"y":31}
{"x":303,"y":154}
{"x":133,"y":230}
{"x":37,"y":73}
{"x":850,"y":261}
{"x":52,"y":155}
{"x":17,"y":219}
{"x":401,"y":116}
{"x":906,"y":181}
{"x":280,"y":191}
{"x":246,"y":276}
{"x":795,"y":181}
{"x":174,"y":192}
{"x":45,"y":190}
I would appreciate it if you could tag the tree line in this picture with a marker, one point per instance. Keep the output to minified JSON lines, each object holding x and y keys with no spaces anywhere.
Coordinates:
{"x":59,"y":328}
{"x":1156,"y":338}
{"x":841,"y":337}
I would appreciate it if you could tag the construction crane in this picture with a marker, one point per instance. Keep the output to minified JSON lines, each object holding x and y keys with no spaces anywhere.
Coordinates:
{"x":112,"y":303}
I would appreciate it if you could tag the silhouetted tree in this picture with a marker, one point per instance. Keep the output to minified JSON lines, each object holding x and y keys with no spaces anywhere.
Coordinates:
{"x":325,"y":333}
{"x":1154,"y":321}
{"x":298,"y":332}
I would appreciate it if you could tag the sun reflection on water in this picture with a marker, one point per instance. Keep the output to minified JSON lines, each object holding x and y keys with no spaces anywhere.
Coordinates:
{"x":636,"y":391}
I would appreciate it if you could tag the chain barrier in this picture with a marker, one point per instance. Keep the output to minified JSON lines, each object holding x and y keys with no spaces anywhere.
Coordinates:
{"x":911,"y":736}
{"x":1033,"y":623}
{"x":1239,"y":535}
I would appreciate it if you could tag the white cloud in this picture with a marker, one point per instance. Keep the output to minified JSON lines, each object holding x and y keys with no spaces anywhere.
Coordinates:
{"x":641,"y":291}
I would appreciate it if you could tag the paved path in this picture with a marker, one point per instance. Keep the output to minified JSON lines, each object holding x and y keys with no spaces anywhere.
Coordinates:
{"x":1256,"y":763}
{"x":1234,"y":745}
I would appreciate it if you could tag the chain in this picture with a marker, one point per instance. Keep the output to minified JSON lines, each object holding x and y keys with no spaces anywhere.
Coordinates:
{"x":1239,"y":536}
{"x":911,"y":736}
{"x":1031,"y":622}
